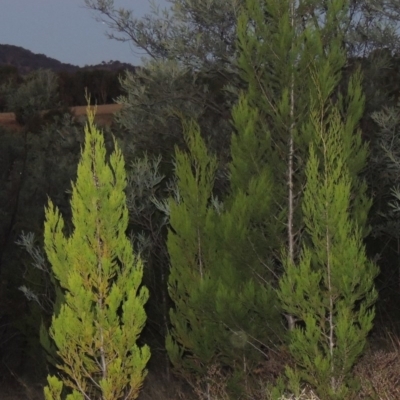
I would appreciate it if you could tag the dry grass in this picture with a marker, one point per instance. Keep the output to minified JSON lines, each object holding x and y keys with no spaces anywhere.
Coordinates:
{"x":212,"y":386}
{"x":104,"y":116}
{"x":8,"y":121}
{"x":379,"y":372}
{"x":304,"y":395}
{"x":101,"y":110}
{"x":104,"y":113}
{"x":158,"y":387}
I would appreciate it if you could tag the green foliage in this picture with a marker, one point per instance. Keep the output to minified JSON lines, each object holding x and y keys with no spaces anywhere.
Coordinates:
{"x":200,"y":33}
{"x":282,"y":46}
{"x":8,"y":75}
{"x":276,"y":70}
{"x":98,"y":325}
{"x":297,"y":54}
{"x":293,"y":75}
{"x":191,"y":223}
{"x":62,"y":137}
{"x":179,"y":91}
{"x":191,"y":50}
{"x":224,"y":312}
{"x":385,"y":165}
{"x":217,"y":251}
{"x":37,"y":92}
{"x":146,"y":190}
{"x":331,"y":290}
{"x":54,"y":390}
{"x":190,"y":31}
{"x":173,"y":83}
{"x":192,"y":67}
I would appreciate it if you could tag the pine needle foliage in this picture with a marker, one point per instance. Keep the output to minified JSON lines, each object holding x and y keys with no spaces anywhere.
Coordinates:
{"x":331,"y":290}
{"x":191,"y":220}
{"x":98,"y":325}
{"x":222,"y":315}
{"x":293,"y":67}
{"x":292,"y":71}
{"x":278,"y":55}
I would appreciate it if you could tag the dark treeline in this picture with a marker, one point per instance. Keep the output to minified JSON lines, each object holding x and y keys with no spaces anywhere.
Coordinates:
{"x":103,"y":84}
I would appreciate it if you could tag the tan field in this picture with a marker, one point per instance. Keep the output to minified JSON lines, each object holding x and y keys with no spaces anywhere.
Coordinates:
{"x":8,"y":120}
{"x":104,"y":115}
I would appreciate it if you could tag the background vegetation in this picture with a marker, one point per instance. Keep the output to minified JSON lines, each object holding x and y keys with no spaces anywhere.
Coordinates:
{"x":249,"y":121}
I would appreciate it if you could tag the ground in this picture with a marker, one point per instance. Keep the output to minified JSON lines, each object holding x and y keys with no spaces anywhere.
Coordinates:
{"x":104,"y":115}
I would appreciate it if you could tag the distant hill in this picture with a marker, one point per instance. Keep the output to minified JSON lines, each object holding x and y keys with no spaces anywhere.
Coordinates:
{"x":27,"y":61}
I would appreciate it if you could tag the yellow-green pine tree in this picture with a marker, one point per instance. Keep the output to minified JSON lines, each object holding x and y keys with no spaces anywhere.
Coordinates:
{"x":98,"y":325}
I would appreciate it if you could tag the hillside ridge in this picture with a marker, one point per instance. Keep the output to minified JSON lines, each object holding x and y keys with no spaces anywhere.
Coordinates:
{"x":26,"y":61}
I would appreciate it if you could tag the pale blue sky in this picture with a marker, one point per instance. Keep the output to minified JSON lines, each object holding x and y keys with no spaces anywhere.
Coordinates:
{"x":66,"y":30}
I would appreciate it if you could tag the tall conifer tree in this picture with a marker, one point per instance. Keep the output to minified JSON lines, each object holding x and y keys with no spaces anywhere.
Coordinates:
{"x":282,"y":49}
{"x":328,"y":290}
{"x":191,"y":226}
{"x":222,"y":315}
{"x":97,"y":326}
{"x":331,"y":289}
{"x":290,"y":64}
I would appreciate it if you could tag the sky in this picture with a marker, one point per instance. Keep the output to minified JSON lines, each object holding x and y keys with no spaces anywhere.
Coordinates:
{"x":66,"y":30}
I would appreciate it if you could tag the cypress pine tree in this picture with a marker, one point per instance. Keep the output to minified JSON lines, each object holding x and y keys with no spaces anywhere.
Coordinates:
{"x":191,"y":223}
{"x":222,"y":315}
{"x":97,"y":326}
{"x":274,"y":62}
{"x":293,"y":70}
{"x":331,"y":290}
{"x":282,"y":51}
{"x":290,"y":65}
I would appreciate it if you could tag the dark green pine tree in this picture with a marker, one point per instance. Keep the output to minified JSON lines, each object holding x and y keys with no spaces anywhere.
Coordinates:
{"x":328,"y":291}
{"x":191,"y":230}
{"x":219,"y":253}
{"x":331,"y":289}
{"x":282,"y":51}
{"x":222,"y":316}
